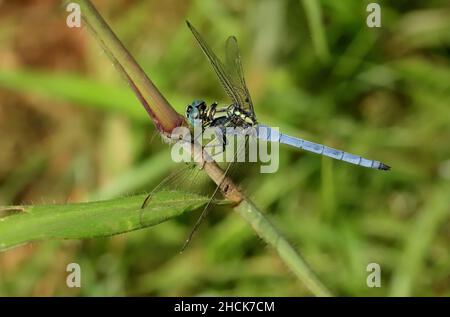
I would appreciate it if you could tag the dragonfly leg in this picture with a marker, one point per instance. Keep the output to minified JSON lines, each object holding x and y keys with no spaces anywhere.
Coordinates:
{"x":223,"y":131}
{"x":211,"y":111}
{"x":144,"y":204}
{"x":223,"y":141}
{"x":224,"y":145}
{"x":202,"y":166}
{"x":224,"y":138}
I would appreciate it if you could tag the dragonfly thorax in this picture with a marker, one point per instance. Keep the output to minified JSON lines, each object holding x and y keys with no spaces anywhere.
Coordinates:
{"x":240,"y":116}
{"x":211,"y":116}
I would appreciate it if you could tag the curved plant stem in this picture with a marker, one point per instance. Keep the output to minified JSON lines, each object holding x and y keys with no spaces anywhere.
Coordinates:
{"x":163,"y":115}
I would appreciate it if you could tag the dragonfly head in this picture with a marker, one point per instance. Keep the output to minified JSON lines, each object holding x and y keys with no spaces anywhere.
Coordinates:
{"x":195,"y":111}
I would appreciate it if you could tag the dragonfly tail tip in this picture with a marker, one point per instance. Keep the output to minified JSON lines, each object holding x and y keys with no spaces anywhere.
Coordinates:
{"x":384,"y":167}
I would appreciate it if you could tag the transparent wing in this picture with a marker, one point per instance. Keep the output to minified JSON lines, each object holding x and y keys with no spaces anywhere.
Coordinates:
{"x":192,"y":180}
{"x":234,"y":68}
{"x":225,"y":79}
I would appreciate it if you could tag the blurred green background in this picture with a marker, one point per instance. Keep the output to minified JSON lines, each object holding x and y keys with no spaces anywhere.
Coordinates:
{"x":71,"y":130}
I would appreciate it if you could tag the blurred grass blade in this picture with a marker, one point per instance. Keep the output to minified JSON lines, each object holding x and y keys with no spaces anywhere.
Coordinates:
{"x":20,"y":177}
{"x":419,"y":242}
{"x":314,"y":17}
{"x":93,"y":219}
{"x":74,"y":88}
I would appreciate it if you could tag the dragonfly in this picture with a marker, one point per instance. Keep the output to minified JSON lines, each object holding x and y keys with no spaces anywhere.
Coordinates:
{"x":240,"y":112}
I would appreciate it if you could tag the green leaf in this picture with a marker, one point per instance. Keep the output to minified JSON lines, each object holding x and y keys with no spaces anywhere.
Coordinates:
{"x":92,"y":219}
{"x":82,"y":91}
